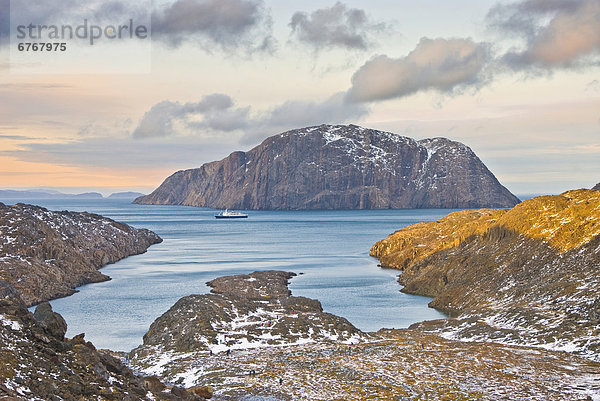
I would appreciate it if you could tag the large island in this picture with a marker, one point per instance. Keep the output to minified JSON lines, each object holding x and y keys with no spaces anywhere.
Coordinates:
{"x":339,"y":167}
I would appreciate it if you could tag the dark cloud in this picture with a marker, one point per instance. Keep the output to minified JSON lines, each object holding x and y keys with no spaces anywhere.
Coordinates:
{"x":212,"y":24}
{"x":554,"y":33}
{"x":218,"y":114}
{"x":226,"y":23}
{"x":338,"y":26}
{"x":4,"y":21}
{"x":75,"y":11}
{"x":445,"y":65}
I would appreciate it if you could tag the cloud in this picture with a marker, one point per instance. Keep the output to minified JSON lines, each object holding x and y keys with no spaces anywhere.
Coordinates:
{"x":214,"y":112}
{"x":212,"y":24}
{"x":225,"y":23}
{"x":193,"y":133}
{"x":338,"y":26}
{"x":74,"y":11}
{"x":445,"y":65}
{"x":555,"y":33}
{"x":593,"y":86}
{"x":298,"y":114}
{"x":217,"y":114}
{"x":18,"y":137}
{"x":122,"y":153}
{"x":4,"y":21}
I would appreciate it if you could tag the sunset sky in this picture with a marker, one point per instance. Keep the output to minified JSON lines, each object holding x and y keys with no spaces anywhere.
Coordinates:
{"x":517,"y":81}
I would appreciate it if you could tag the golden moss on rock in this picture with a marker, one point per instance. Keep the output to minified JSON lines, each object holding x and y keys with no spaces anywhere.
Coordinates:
{"x":565,"y":221}
{"x":528,"y":275}
{"x":418,"y":241}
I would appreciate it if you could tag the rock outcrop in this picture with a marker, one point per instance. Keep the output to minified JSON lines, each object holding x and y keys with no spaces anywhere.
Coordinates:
{"x":45,"y":254}
{"x":243,"y":311}
{"x":529,"y":275}
{"x":597,"y":187}
{"x":339,"y":167}
{"x":38,"y":363}
{"x":255,"y":317}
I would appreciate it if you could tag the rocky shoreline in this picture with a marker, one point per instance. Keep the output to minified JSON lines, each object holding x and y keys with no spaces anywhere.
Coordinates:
{"x":39,"y":363}
{"x":514,"y":278}
{"x":46,"y":254}
{"x":524,"y":276}
{"x":244,"y":341}
{"x":242,"y":312}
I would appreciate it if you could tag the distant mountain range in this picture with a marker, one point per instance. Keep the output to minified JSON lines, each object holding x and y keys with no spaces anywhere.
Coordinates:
{"x":339,"y":167}
{"x":10,"y":194}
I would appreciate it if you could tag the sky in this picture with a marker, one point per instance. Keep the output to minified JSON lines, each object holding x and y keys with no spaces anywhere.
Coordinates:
{"x":517,"y":81}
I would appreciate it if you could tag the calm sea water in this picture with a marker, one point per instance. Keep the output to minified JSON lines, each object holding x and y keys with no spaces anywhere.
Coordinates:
{"x":329,"y":248}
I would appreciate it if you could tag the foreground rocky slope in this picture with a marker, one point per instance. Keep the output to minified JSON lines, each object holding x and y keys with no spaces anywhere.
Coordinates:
{"x":304,"y":354}
{"x":243,"y":311}
{"x":339,"y":167}
{"x":529,"y":275}
{"x":46,"y":254}
{"x":38,"y":363}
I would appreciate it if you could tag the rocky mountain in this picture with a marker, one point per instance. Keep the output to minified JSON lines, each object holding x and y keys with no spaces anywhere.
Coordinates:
{"x":339,"y":167}
{"x":46,"y":254}
{"x":597,"y":187}
{"x":528,"y":276}
{"x":39,"y":363}
{"x":286,"y":348}
{"x":242,"y":311}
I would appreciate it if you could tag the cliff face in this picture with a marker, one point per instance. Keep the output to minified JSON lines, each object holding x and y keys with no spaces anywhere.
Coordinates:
{"x":46,"y":254}
{"x":528,"y":275}
{"x":339,"y":167}
{"x":39,"y":363}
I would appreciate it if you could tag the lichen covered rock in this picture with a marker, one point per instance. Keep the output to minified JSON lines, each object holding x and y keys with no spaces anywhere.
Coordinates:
{"x":45,"y":254}
{"x":37,"y":363}
{"x":242,"y":312}
{"x":528,"y":275}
